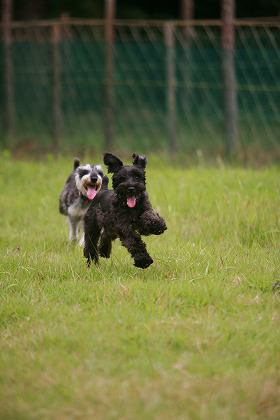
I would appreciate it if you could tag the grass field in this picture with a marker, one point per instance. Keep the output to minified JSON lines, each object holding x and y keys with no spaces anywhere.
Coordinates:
{"x":194,"y":336}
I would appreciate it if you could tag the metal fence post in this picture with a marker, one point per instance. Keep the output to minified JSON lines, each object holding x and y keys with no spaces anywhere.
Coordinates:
{"x":56,"y":88}
{"x":230,"y":98}
{"x":187,"y":33}
{"x":109,"y":71}
{"x":9,"y":118}
{"x":187,"y":15}
{"x":171,"y":85}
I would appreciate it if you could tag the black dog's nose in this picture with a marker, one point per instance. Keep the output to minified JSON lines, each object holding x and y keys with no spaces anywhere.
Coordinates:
{"x":93,"y":178}
{"x":131,"y":189}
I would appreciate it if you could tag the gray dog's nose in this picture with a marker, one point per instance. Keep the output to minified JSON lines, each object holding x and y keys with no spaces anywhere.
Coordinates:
{"x":93,"y":178}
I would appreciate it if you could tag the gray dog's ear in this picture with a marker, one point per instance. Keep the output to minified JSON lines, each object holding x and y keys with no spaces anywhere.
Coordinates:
{"x":140,"y":161}
{"x":114,"y":164}
{"x":76,"y":163}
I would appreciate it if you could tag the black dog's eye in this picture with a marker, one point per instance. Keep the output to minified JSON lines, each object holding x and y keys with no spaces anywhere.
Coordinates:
{"x":138,"y":177}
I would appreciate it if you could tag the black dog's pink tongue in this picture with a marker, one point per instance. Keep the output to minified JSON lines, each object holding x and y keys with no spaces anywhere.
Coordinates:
{"x":91,"y":193}
{"x":131,"y":202}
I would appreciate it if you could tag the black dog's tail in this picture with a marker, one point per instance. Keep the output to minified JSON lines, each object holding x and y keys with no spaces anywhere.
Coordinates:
{"x":76,"y":163}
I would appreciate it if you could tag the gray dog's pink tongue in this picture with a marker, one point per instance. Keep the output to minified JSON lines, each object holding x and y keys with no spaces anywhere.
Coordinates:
{"x":131,"y":202}
{"x":91,"y":193}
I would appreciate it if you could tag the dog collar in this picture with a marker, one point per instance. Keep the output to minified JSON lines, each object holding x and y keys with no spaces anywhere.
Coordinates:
{"x":84,"y":199}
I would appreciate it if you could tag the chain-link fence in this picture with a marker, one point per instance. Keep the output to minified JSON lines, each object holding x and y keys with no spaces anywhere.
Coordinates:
{"x":162,"y":89}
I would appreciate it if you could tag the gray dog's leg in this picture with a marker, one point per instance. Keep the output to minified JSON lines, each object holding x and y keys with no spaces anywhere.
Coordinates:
{"x":73,"y":228}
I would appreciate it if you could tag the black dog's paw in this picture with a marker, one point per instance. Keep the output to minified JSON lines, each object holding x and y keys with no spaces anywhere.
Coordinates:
{"x":143,"y":262}
{"x":151,"y":224}
{"x":104,"y":253}
{"x":105,"y":249}
{"x":90,"y":259}
{"x":153,"y":227}
{"x":159,"y":227}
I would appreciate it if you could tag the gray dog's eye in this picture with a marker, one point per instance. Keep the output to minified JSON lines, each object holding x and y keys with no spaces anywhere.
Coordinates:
{"x":83,"y":172}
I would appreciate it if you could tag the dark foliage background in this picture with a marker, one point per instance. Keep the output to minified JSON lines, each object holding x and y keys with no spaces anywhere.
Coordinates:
{"x":136,"y":9}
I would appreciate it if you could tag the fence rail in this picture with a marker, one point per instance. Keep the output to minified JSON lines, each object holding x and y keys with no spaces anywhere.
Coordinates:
{"x":163,"y":89}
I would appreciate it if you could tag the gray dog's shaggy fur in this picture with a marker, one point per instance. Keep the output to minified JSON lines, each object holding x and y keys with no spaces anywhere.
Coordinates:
{"x":80,"y":189}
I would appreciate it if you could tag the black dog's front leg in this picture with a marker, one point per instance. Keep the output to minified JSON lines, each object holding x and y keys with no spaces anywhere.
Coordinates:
{"x":136,"y":247}
{"x":92,"y":233}
{"x":150,"y":223}
{"x":105,"y":246}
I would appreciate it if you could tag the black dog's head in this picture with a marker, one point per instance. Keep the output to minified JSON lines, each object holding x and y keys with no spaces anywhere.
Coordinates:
{"x":129,"y":182}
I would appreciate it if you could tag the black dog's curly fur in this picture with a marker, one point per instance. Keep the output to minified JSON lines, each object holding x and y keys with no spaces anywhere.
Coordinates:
{"x":124,"y":212}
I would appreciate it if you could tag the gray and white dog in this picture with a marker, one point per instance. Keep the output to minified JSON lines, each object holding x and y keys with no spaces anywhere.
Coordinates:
{"x":80,"y":189}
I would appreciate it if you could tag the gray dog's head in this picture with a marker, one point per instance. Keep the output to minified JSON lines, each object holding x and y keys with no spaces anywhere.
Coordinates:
{"x":88,"y":178}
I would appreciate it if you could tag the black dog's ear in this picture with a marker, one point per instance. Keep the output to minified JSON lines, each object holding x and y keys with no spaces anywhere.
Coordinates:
{"x":139,"y":160}
{"x":76,"y":163}
{"x":114,"y":164}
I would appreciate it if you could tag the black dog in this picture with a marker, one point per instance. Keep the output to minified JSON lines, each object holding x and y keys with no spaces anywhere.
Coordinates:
{"x":124,"y":212}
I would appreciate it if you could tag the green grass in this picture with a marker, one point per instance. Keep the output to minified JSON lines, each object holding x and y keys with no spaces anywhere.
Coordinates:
{"x":194,"y":336}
